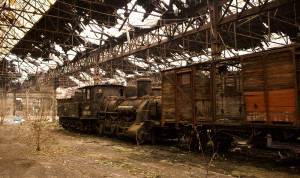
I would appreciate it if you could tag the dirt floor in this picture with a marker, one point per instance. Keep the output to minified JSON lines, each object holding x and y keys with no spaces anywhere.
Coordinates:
{"x":70,"y":154}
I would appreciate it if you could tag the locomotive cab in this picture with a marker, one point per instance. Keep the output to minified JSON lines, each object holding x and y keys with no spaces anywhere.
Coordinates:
{"x":97,"y":91}
{"x":94,"y":96}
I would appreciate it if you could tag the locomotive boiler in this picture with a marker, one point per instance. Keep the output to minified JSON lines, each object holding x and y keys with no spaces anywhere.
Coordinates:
{"x":113,"y":110}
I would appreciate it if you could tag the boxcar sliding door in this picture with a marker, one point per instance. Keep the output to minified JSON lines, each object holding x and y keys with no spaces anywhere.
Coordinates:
{"x":184,"y":97}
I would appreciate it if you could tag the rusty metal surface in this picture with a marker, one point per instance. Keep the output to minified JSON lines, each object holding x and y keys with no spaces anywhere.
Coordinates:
{"x":68,"y":108}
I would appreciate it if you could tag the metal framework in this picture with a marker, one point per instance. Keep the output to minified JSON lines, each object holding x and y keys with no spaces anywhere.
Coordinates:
{"x":209,"y":30}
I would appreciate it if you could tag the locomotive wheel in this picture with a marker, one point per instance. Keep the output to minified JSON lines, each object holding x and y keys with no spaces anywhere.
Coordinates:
{"x":153,"y":136}
{"x":113,"y":127}
{"x":196,"y":140}
{"x":141,"y":135}
{"x":106,"y":126}
{"x":101,"y":127}
{"x":202,"y":139}
{"x":222,"y":141}
{"x":120,"y":129}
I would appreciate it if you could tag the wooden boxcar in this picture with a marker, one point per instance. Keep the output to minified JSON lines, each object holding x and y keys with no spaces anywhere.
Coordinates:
{"x":253,"y":91}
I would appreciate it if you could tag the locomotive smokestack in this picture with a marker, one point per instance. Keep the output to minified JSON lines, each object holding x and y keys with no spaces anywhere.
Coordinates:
{"x":143,"y":87}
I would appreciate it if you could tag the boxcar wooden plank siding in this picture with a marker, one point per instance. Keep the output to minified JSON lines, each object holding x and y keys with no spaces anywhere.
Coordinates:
{"x":281,"y":86}
{"x":255,"y":103}
{"x":282,"y":118}
{"x":284,"y":98}
{"x":264,"y":93}
{"x":168,"y":94}
{"x":253,"y":72}
{"x":202,"y":97}
{"x":185,"y":107}
{"x":297,"y":73}
{"x":276,"y":100}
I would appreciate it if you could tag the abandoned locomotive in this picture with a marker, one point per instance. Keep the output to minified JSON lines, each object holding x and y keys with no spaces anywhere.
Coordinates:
{"x":114,"y":110}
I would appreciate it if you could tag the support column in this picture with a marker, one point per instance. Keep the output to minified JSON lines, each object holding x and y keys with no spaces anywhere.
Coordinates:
{"x":54,"y":104}
{"x":216,"y":49}
{"x":14,"y":102}
{"x":96,"y":70}
{"x":26,"y":92}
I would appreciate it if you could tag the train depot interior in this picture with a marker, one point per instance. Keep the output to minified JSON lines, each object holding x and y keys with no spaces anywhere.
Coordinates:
{"x":149,"y":88}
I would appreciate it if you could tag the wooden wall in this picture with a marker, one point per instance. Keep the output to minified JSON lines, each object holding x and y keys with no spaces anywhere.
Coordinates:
{"x":168,"y":96}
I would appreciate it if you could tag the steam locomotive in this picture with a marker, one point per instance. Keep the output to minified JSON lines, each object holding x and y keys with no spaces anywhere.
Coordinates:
{"x":116,"y":110}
